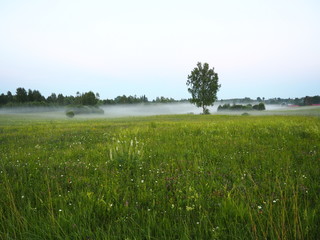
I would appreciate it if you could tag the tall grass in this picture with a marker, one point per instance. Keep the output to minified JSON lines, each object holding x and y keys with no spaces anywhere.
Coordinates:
{"x":168,"y":177}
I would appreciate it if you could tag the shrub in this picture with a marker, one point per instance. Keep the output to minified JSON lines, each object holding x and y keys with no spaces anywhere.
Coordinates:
{"x":206,"y":111}
{"x":80,"y":109}
{"x":238,"y":107}
{"x":70,"y":114}
{"x":259,"y":107}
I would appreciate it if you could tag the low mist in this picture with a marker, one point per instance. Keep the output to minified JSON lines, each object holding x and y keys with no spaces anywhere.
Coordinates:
{"x":151,"y":109}
{"x":127,"y":110}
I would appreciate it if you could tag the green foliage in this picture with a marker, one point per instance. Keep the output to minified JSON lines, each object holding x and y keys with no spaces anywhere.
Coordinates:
{"x":21,"y":95}
{"x":206,"y":111}
{"x":70,"y":114}
{"x":311,"y":100}
{"x":237,"y":107}
{"x":203,"y":86}
{"x":259,"y":107}
{"x":164,"y":177}
{"x":35,"y":96}
{"x":80,"y":109}
{"x":89,"y":99}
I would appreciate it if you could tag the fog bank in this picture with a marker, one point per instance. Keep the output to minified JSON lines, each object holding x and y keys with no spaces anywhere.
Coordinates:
{"x":150,"y":109}
{"x":127,"y":110}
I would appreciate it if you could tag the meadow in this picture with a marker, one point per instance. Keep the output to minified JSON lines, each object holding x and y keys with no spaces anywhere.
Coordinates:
{"x":160,"y":177}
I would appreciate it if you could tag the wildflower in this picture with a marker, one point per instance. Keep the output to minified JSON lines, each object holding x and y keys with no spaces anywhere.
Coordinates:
{"x":260,"y":209}
{"x":214,"y":229}
{"x":189,"y":208}
{"x":60,"y":210}
{"x":142,"y":181}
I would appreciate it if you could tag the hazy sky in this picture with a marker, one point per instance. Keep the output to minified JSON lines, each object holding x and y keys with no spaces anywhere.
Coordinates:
{"x":259,"y":48}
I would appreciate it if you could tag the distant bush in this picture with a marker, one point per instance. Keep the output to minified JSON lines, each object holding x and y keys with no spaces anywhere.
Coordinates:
{"x":259,"y":107}
{"x":238,"y":107}
{"x":80,"y":109}
{"x":206,"y":111}
{"x":70,"y":114}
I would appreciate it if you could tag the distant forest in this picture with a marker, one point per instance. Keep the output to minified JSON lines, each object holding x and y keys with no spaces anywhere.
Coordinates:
{"x":22,"y":97}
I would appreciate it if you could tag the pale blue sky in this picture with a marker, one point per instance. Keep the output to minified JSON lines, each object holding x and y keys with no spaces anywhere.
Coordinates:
{"x":265,"y":48}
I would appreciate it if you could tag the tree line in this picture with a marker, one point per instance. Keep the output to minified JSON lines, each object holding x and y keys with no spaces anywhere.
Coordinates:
{"x":35,"y":98}
{"x":304,"y":101}
{"x":22,"y":97}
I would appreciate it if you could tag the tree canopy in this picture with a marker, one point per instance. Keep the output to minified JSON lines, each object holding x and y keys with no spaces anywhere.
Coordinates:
{"x":203,"y":86}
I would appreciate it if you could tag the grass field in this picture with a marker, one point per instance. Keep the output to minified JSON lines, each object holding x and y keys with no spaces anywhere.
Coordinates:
{"x":160,"y":177}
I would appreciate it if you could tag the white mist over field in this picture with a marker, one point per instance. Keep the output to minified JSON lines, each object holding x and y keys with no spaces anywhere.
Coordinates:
{"x":162,"y":109}
{"x":150,"y":109}
{"x":133,"y":110}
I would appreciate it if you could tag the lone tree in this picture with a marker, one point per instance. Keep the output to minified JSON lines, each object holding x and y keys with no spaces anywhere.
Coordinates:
{"x":203,"y":86}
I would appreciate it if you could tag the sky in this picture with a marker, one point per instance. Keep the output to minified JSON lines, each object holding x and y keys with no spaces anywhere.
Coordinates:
{"x":259,"y":48}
